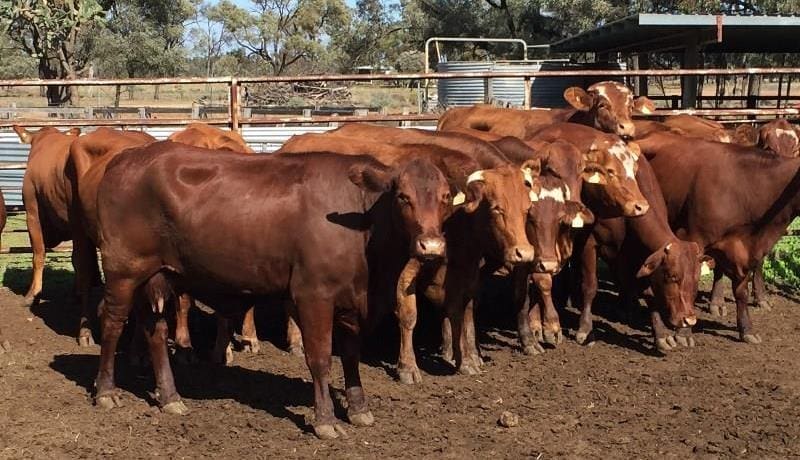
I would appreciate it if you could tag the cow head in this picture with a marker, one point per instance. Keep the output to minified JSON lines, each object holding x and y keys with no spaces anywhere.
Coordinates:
{"x":28,"y":137}
{"x":781,"y":137}
{"x":551,"y":216}
{"x":422,"y":198}
{"x":612,"y":165}
{"x":502,"y":196}
{"x":610,"y":106}
{"x":674,"y":271}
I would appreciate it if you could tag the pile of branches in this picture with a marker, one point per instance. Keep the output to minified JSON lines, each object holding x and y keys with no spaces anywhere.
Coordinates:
{"x":310,"y":93}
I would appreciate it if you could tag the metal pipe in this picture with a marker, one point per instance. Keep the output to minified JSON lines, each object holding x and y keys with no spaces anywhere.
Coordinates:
{"x":472,"y":40}
{"x":409,"y":76}
{"x":234,"y":105}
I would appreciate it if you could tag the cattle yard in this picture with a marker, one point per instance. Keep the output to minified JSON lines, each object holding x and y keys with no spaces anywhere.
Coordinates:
{"x":620,"y":395}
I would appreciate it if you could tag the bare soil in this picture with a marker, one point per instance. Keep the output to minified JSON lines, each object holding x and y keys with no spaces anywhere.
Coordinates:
{"x":615,"y":399}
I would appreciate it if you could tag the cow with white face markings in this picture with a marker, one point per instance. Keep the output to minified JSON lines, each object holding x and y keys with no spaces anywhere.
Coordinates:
{"x":607,"y":106}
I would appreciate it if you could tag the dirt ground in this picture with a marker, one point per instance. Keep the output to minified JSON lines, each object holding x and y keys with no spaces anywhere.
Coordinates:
{"x":615,"y":399}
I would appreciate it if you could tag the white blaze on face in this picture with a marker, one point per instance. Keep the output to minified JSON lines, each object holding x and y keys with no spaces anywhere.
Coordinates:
{"x":620,"y":152}
{"x":527,"y":176}
{"x":556,"y":194}
{"x":786,"y":132}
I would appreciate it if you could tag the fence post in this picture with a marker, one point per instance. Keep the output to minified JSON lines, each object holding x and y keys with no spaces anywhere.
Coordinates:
{"x":526,"y":104}
{"x":234,"y":105}
{"x":334,"y":124}
{"x":307,"y":113}
{"x":488,"y":92}
{"x":405,"y":123}
{"x":142,"y":113}
{"x":195,"y":110}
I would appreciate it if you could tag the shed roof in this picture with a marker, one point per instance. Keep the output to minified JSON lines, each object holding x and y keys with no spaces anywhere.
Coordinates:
{"x":665,"y":32}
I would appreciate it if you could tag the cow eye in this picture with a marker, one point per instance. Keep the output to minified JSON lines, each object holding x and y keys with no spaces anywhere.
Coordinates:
{"x":403,"y":198}
{"x":611,"y":172}
{"x":497,"y":210}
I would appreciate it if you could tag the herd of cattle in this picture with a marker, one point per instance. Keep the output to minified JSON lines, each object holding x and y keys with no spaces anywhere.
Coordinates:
{"x":343,"y":228}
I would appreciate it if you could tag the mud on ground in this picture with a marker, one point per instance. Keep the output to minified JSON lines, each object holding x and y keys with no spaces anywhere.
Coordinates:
{"x":615,"y":399}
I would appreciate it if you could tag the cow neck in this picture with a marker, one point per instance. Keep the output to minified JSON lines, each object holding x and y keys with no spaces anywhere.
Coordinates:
{"x":653,"y":227}
{"x":773,"y":224}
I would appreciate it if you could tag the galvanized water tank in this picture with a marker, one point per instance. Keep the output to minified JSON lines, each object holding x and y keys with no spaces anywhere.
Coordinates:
{"x":511,"y":91}
{"x":461,"y":91}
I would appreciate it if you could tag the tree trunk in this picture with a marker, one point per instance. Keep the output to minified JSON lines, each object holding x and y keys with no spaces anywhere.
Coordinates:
{"x":117,"y":94}
{"x":156,"y":92}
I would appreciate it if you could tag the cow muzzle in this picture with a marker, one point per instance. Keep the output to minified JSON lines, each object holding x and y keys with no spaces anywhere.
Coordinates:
{"x":431,"y":247}
{"x":636,"y":208}
{"x":626,"y":130}
{"x":520,"y":254}
{"x":546,"y":266}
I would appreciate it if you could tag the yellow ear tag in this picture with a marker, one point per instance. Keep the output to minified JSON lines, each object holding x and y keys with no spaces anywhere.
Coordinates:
{"x":459,"y":198}
{"x":594,"y":178}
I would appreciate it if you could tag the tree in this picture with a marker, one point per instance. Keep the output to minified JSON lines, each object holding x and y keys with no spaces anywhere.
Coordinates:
{"x":58,"y":34}
{"x":284,"y":33}
{"x":209,"y":33}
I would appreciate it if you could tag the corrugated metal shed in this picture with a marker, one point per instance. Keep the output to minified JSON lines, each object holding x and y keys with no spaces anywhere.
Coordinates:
{"x":262,"y":139}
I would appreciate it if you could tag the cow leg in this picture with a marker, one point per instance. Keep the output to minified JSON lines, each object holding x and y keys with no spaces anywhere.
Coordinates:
{"x":447,"y":341}
{"x":293,"y":336}
{"x":743,"y":322}
{"x":535,"y":316}
{"x":472,"y":355}
{"x":664,"y":341}
{"x":316,"y":324}
{"x":184,"y":352}
{"x":357,"y":408}
{"x":588,"y":292}
{"x":114,"y":311}
{"x":249,"y":336}
{"x":156,"y":331}
{"x":759,"y":289}
{"x":406,"y":312}
{"x":530,"y":346}
{"x":717,"y":305}
{"x":83,"y":258}
{"x":223,"y":352}
{"x":552,"y":323}
{"x":38,"y":249}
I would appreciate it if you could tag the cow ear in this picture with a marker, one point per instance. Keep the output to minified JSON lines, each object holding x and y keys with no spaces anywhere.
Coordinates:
{"x":371,"y":178}
{"x":73,"y":132}
{"x":531,"y":169}
{"x":577,"y":215}
{"x":25,"y":136}
{"x":746,"y":134}
{"x":578,"y":98}
{"x":652,"y":263}
{"x":592,"y":175}
{"x":643,"y":105}
{"x":475,"y":184}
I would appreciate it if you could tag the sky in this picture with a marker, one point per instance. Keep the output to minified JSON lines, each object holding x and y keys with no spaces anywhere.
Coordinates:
{"x":246,"y":3}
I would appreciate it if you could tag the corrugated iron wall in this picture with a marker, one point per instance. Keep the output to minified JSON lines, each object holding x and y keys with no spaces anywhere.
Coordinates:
{"x":262,"y":139}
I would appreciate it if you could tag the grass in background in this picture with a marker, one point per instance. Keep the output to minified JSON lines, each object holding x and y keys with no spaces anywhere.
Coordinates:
{"x":782,"y":265}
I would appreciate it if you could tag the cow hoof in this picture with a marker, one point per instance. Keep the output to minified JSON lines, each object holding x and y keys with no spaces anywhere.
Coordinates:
{"x":553,"y":338}
{"x":327,"y":432}
{"x":584,"y":338}
{"x":666,"y":344}
{"x":108,"y":401}
{"x":251,"y":345}
{"x":537,"y":335}
{"x":362,"y":418}
{"x":175,"y":408}
{"x":534,"y":349}
{"x":409,"y":375}
{"x":685,"y":340}
{"x":27,"y":302}
{"x":753,"y":339}
{"x":718,"y":310}
{"x":86,"y":340}
{"x":185,"y":356}
{"x":297,"y":350}
{"x":764,"y":305}
{"x":468,"y":368}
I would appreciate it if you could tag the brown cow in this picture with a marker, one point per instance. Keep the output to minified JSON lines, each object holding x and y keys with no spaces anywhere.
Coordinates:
{"x":210,"y":137}
{"x":213,"y":138}
{"x":606,"y":106}
{"x":46,"y":194}
{"x":734,"y":201}
{"x":164,"y":228}
{"x":90,"y":154}
{"x":644,"y":247}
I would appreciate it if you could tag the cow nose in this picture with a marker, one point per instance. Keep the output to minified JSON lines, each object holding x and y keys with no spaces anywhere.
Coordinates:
{"x":546,"y":266}
{"x":626,"y":131}
{"x":636,"y":208}
{"x":521,"y":254}
{"x":430,"y":247}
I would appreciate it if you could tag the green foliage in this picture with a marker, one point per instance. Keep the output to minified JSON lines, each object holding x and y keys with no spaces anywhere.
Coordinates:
{"x":782,"y":265}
